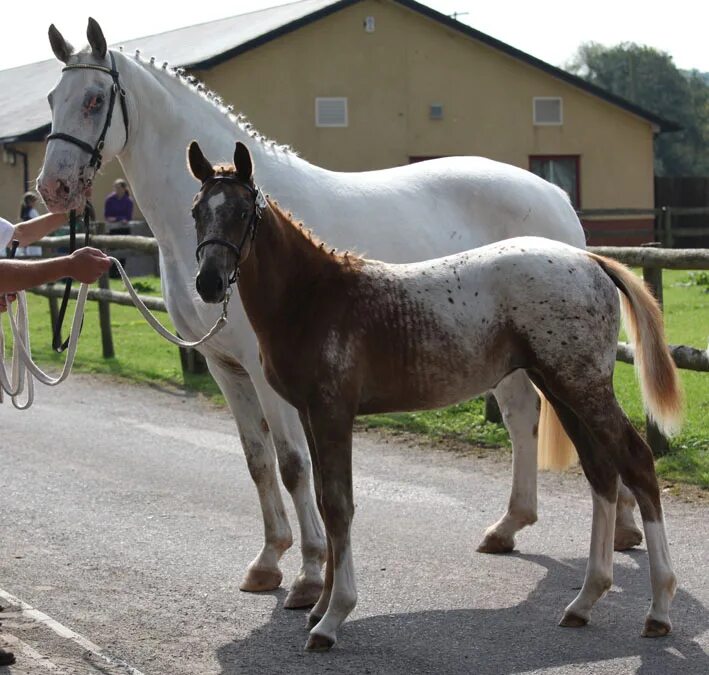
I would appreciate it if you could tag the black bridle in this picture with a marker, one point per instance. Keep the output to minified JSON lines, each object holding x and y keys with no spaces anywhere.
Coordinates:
{"x":249,"y":232}
{"x":95,"y":152}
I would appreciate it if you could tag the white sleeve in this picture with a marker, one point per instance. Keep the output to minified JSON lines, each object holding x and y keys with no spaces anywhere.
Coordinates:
{"x":7,"y":232}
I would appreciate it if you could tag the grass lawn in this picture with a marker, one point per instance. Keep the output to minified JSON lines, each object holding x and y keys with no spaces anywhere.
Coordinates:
{"x":143,"y":356}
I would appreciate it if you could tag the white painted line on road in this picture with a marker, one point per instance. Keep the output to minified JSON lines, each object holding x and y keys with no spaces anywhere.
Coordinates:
{"x":61,"y":630}
{"x":30,"y":654}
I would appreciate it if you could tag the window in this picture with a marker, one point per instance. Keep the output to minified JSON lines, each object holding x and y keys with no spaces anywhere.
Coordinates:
{"x":547,"y":110}
{"x":561,"y":170}
{"x":330,"y":112}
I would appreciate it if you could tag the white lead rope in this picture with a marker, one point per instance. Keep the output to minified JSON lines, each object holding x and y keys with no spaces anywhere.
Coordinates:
{"x":24,"y":368}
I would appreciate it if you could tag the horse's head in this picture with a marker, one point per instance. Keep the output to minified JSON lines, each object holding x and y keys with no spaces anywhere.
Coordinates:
{"x":89,"y":120}
{"x":226,"y":211}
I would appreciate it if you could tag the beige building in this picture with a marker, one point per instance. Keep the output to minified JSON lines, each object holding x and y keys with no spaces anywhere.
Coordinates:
{"x":366,"y":84}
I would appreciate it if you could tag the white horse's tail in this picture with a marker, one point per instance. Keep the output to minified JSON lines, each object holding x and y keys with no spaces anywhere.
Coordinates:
{"x":656,"y":370}
{"x":555,"y":451}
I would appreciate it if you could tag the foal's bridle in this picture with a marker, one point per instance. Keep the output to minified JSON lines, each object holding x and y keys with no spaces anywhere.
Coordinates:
{"x":116,"y":91}
{"x":249,"y":232}
{"x":95,"y":152}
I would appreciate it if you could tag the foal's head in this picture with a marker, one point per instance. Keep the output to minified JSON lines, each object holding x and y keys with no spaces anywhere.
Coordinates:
{"x":226,"y":212}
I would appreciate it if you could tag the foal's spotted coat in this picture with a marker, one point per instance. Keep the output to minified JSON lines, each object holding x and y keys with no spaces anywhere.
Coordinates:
{"x":340,"y":336}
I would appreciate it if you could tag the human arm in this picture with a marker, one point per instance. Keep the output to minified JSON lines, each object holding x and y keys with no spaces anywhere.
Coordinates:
{"x":85,"y":265}
{"x":33,"y":230}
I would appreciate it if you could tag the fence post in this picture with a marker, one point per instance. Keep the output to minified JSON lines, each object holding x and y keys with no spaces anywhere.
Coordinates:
{"x":104,"y":309}
{"x":658,"y":443}
{"x":492,"y":410}
{"x":192,"y":361}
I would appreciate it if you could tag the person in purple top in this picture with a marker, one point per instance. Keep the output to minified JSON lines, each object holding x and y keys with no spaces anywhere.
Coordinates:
{"x":119,"y":205}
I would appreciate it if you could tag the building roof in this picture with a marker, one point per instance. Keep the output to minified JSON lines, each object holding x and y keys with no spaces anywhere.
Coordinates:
{"x":25,"y":114}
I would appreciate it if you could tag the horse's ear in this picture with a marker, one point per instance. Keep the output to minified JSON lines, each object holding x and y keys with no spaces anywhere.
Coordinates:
{"x":61,"y":48}
{"x":198,"y":164}
{"x":242,"y":162}
{"x":96,"y":39}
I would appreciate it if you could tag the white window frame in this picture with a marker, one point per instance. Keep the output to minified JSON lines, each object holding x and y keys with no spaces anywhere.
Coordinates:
{"x":336,"y":124}
{"x":536,"y":122}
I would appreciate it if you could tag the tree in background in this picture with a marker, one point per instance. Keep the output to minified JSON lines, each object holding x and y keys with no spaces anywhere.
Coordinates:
{"x":650,"y":79}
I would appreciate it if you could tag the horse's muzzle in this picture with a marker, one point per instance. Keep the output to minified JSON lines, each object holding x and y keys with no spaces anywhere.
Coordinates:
{"x":211,"y":285}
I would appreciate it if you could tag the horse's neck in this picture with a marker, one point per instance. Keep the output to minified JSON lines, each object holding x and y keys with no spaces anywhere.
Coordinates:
{"x":281,"y":271}
{"x":166,"y":116}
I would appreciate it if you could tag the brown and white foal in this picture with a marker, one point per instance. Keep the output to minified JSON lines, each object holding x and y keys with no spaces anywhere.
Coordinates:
{"x":341,"y":336}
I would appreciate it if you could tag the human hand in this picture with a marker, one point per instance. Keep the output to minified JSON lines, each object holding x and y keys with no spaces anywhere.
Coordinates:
{"x":4,"y":299}
{"x":88,"y":264}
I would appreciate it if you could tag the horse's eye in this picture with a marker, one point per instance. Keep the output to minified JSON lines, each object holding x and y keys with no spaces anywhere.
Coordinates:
{"x":243,"y":215}
{"x":96,"y":102}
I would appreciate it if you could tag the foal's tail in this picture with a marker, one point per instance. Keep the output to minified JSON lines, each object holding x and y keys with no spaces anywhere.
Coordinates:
{"x":654,"y":365}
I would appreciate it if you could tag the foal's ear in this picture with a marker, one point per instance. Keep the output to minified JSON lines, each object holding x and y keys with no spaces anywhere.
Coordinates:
{"x":96,"y":39}
{"x":61,"y":48}
{"x":198,"y":164}
{"x":242,"y":162}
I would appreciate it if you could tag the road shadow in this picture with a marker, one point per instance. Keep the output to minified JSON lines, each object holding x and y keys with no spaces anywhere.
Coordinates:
{"x":515,"y":639}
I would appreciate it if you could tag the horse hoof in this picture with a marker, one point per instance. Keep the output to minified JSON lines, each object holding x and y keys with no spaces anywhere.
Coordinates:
{"x":654,"y":628}
{"x":312,"y":621}
{"x":256,"y":580}
{"x":303,"y":595}
{"x":627,"y":538}
{"x":495,"y":543}
{"x":319,"y":643}
{"x":571,"y":620}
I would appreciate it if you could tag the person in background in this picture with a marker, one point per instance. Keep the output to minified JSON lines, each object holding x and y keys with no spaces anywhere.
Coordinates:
{"x":28,"y":208}
{"x":119,"y":205}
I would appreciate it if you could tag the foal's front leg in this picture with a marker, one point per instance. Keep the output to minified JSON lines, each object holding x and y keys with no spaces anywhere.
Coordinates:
{"x":332,"y":441}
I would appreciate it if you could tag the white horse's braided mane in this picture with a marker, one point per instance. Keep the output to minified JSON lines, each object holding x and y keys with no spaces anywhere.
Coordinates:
{"x":199,"y":88}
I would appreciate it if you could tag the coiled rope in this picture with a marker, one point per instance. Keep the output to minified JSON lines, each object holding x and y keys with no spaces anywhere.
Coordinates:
{"x":24,"y":370}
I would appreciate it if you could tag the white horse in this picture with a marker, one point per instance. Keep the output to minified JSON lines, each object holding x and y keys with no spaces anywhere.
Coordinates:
{"x":404,"y":214}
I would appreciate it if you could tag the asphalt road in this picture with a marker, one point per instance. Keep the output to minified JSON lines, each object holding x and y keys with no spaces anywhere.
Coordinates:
{"x":127,"y":516}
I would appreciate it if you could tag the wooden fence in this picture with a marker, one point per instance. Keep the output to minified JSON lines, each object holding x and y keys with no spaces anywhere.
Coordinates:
{"x":652,"y":261}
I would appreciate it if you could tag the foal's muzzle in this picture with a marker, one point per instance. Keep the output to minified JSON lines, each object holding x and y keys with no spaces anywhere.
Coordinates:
{"x":211,"y":285}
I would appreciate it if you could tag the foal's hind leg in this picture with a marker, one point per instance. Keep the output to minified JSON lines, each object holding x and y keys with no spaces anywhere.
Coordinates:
{"x":637,"y":468}
{"x":599,"y":570}
{"x":608,"y":445}
{"x":519,"y":405}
